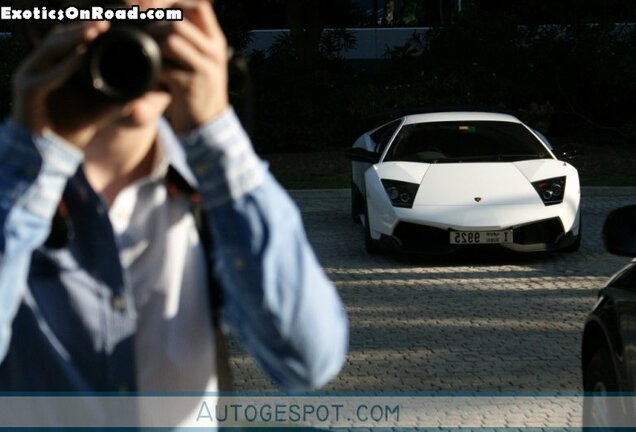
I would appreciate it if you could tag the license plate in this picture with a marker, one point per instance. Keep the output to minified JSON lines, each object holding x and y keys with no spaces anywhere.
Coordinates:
{"x":481,"y":237}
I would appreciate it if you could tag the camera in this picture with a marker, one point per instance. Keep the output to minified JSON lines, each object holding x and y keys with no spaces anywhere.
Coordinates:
{"x":122,"y":63}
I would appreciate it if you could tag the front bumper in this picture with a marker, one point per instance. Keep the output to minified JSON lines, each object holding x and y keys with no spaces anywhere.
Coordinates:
{"x":543,"y":235}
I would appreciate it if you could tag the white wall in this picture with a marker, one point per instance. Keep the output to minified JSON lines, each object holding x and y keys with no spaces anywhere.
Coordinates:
{"x":372,"y":43}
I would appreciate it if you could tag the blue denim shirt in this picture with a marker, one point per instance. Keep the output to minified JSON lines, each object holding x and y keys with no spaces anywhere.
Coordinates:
{"x":67,"y":317}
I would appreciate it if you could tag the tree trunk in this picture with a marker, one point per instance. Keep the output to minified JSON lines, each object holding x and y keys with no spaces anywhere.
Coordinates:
{"x":304,"y":18}
{"x":389,"y":13}
{"x":375,"y":13}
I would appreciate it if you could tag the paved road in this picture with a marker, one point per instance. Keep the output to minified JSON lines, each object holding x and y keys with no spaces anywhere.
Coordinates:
{"x":473,"y":323}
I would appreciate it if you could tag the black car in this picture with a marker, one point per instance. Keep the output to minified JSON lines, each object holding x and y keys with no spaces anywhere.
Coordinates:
{"x":609,"y":338}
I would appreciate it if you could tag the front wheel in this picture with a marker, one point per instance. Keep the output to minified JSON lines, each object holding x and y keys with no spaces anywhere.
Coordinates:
{"x":599,"y":379}
{"x":357,"y":203}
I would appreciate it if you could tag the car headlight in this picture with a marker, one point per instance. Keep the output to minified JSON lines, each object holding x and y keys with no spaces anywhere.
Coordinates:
{"x":551,"y":190}
{"x":401,"y":194}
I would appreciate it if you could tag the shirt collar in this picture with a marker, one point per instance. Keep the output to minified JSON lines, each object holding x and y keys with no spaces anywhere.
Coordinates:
{"x":173,"y":153}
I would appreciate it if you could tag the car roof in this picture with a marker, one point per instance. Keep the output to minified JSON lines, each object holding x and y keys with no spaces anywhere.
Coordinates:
{"x":459,"y":116}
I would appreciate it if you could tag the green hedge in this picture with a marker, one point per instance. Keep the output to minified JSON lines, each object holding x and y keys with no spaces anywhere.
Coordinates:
{"x":558,"y":78}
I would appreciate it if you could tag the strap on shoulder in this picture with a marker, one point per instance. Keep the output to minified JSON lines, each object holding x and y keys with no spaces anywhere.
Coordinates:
{"x":176,"y":184}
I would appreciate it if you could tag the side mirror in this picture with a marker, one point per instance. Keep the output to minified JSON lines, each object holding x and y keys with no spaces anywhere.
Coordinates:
{"x":358,"y":154}
{"x":568,"y":152}
{"x":619,"y":231}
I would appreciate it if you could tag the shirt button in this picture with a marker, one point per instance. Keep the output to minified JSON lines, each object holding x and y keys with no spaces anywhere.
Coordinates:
{"x":239,"y":263}
{"x":31,"y":171}
{"x":201,"y":169}
{"x":117,"y":303}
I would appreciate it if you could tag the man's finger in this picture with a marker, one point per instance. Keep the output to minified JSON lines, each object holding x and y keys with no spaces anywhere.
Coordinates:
{"x":213,"y":23}
{"x":179,"y":51}
{"x":62,"y":41}
{"x":195,"y":36}
{"x":202,"y":15}
{"x":65,"y":38}
{"x":174,"y":79}
{"x":61,"y":72}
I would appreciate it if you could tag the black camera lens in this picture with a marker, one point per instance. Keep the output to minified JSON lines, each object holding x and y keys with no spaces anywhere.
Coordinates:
{"x":122,"y":63}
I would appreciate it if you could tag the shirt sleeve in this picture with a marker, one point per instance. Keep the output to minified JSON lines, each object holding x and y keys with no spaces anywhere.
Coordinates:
{"x":35,"y":170}
{"x":278,"y":301}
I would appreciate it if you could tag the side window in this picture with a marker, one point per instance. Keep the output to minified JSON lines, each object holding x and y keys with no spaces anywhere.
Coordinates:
{"x":543,"y":138}
{"x":382,"y":136}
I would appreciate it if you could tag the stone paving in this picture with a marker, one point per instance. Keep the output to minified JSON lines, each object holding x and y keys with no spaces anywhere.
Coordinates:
{"x":489,"y":323}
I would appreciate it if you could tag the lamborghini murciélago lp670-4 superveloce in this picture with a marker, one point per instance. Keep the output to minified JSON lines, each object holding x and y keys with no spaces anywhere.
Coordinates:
{"x":439,"y":182}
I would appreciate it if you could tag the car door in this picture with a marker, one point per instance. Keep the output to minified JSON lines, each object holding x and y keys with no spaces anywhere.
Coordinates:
{"x":376,"y":142}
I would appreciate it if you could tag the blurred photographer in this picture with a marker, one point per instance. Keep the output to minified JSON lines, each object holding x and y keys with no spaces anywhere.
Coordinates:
{"x":105,"y":277}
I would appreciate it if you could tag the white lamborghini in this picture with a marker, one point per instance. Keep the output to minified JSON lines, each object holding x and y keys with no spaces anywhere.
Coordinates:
{"x":443,"y":181}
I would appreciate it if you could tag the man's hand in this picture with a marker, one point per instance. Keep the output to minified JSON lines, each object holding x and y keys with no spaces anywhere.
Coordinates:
{"x":43,"y":98}
{"x":195,"y":51}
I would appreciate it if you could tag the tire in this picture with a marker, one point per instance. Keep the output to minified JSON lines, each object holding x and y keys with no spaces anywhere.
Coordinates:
{"x":599,"y":378}
{"x":574,"y":247}
{"x":357,"y":203}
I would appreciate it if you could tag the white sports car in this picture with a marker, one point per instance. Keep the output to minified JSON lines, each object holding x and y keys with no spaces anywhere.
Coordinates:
{"x":443,"y":181}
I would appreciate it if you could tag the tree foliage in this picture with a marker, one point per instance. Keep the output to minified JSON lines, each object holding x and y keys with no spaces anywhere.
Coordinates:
{"x":578,"y":70}
{"x":558,"y":77}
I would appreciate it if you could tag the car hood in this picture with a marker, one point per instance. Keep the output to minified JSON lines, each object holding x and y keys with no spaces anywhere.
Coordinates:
{"x":484,"y":184}
{"x":410,"y":172}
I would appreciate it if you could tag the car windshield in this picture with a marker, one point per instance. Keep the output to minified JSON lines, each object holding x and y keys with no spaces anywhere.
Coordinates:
{"x":465,"y":141}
